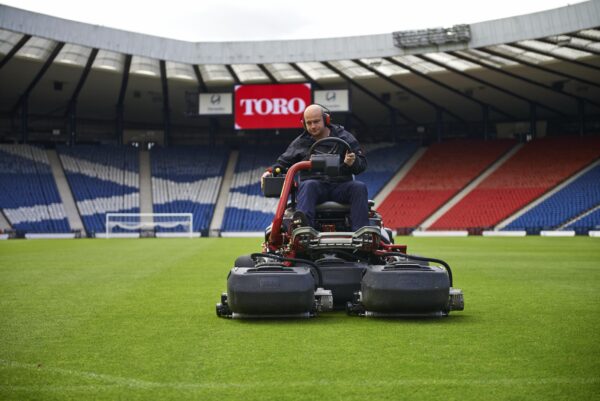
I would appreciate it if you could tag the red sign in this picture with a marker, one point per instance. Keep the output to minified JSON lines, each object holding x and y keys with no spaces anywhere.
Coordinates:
{"x":270,"y":106}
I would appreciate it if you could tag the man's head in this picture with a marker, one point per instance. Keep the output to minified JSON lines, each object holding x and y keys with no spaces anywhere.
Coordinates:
{"x":315,"y":121}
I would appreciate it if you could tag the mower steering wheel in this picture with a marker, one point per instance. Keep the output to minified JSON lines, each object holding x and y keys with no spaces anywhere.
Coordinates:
{"x":338,"y":144}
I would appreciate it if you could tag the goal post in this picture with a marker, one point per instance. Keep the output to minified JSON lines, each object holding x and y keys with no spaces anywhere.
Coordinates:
{"x":155,"y":224}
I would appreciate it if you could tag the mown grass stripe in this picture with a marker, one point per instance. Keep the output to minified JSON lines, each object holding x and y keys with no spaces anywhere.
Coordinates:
{"x":114,"y":381}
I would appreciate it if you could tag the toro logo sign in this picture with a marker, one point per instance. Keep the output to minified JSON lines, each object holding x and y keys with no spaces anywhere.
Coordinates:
{"x":270,"y":106}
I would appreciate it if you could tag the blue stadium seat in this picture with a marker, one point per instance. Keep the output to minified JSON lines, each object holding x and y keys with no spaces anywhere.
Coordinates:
{"x":28,"y":193}
{"x":103,"y":178}
{"x":566,"y":204}
{"x":187,"y":180}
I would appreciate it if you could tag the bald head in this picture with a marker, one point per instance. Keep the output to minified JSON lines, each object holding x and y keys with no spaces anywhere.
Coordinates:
{"x":314,"y":122}
{"x":312,"y":110}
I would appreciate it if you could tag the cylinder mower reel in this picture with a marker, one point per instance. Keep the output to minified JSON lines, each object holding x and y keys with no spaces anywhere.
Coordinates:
{"x":405,"y":290}
{"x":273,"y":292}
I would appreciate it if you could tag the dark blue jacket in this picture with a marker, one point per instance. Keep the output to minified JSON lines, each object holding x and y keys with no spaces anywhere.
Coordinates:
{"x":298,"y":151}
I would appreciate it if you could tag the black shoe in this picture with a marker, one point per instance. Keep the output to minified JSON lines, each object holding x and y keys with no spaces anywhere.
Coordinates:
{"x":299,"y":219}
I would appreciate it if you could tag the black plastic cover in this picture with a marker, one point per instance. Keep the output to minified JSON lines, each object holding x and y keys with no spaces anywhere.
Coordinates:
{"x":272,"y":186}
{"x":273,"y":291}
{"x":405,"y":289}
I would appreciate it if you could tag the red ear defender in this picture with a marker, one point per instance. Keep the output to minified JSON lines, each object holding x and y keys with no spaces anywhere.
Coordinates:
{"x":326,"y":119}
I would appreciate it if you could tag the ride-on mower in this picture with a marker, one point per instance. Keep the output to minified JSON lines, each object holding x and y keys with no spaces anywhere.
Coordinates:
{"x":305,"y":270}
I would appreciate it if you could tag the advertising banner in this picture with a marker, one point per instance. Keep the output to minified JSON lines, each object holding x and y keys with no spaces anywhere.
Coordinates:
{"x":333,"y":100}
{"x":270,"y":106}
{"x":215,"y":104}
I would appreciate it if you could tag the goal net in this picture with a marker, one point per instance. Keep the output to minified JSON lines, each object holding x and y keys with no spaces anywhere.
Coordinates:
{"x":149,"y":225}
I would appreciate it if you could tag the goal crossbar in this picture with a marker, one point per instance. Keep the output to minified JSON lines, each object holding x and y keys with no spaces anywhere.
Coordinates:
{"x":141,"y":221}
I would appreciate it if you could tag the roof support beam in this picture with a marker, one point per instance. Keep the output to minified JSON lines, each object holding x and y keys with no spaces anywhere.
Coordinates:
{"x":121,"y":100}
{"x":538,"y":67}
{"x":38,"y":76}
{"x":434,"y":105}
{"x":577,"y":34}
{"x":515,"y":76}
{"x":451,"y":89}
{"x":556,"y":56}
{"x":236,"y":80}
{"x":72,"y":105}
{"x":491,"y":85}
{"x":267,"y":73}
{"x":14,"y":50}
{"x":23,"y":102}
{"x":306,"y":76}
{"x":166,"y":108}
{"x":568,"y":46}
{"x":83,"y":77}
{"x":201,"y":84}
{"x":369,"y":93}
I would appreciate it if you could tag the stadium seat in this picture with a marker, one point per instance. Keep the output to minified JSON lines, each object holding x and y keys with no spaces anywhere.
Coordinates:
{"x":103,"y":178}
{"x":442,"y":172}
{"x":29,"y":196}
{"x":571,"y":201}
{"x":536,"y":168}
{"x":187,"y":180}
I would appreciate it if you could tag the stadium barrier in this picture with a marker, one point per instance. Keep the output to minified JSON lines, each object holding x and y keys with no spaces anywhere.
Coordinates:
{"x":417,"y":233}
{"x":118,"y":235}
{"x":516,"y":233}
{"x":3,"y":236}
{"x":159,"y":234}
{"x":50,"y":236}
{"x":242,"y":234}
{"x":553,"y":233}
{"x":594,"y":234}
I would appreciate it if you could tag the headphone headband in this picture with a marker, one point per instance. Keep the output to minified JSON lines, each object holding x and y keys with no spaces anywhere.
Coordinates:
{"x":325,"y":113}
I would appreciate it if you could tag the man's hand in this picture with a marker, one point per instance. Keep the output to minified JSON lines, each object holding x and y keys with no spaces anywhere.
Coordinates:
{"x":349,"y":159}
{"x":262,"y":179}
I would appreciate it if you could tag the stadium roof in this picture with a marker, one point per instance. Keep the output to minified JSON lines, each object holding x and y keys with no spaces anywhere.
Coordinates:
{"x":544,"y":65}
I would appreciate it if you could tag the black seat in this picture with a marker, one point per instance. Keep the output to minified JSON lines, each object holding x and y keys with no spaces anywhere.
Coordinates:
{"x":331,"y":206}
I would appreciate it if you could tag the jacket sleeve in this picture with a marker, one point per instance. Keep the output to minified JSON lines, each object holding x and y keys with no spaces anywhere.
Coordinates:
{"x":360,"y":162}
{"x":292,"y":155}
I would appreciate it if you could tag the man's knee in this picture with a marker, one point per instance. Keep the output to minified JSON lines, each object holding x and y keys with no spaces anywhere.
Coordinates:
{"x":309,"y":190}
{"x":358,"y":188}
{"x":309,"y":185}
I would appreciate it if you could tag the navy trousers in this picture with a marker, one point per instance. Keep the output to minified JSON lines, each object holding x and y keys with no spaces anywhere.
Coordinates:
{"x":313,"y":192}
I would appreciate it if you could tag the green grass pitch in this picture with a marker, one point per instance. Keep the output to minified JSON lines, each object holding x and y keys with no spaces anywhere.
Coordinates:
{"x":135,"y":320}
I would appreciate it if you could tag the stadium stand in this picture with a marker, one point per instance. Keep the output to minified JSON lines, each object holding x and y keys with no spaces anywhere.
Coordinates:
{"x":28,"y":194}
{"x":587,"y":222}
{"x":384,"y":159}
{"x":571,"y":201}
{"x":536,"y":168}
{"x":103,"y":179}
{"x":443,"y":171}
{"x":187,"y":180}
{"x":247,"y":209}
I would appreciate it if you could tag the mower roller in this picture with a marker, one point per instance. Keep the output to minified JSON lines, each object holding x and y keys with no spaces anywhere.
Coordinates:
{"x":303,"y":271}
